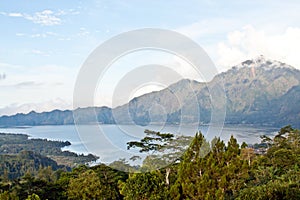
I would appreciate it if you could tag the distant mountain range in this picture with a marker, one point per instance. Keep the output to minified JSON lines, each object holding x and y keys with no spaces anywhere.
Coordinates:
{"x":258,"y":92}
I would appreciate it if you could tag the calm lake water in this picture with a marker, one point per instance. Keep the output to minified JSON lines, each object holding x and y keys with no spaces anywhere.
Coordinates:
{"x":109,"y":141}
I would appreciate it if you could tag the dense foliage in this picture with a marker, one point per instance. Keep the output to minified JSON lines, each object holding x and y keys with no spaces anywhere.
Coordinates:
{"x":19,"y":154}
{"x":207,"y":170}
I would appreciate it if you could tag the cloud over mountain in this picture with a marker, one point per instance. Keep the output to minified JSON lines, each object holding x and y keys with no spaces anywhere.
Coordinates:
{"x":250,"y":42}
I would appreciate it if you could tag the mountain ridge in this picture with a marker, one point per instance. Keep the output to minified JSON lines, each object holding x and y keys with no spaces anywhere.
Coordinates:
{"x":258,"y":91}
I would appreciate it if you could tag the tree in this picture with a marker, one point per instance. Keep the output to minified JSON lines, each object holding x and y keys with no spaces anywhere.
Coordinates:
{"x":33,"y":197}
{"x":148,"y":185}
{"x":168,"y":149}
{"x":47,"y":174}
{"x":109,"y":180}
{"x":8,"y":196}
{"x":210,"y":172}
{"x":122,"y":165}
{"x":248,"y":155}
{"x":154,"y":141}
{"x":85,"y":186}
{"x":190,"y":171}
{"x":276,"y":174}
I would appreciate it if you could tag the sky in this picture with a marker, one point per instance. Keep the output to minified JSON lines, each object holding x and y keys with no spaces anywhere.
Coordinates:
{"x":43,"y":44}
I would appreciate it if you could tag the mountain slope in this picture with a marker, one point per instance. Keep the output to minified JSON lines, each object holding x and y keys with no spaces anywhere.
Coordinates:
{"x":58,"y":117}
{"x":258,"y":91}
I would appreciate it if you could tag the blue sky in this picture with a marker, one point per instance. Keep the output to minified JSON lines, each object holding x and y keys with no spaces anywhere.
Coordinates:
{"x":44,"y":43}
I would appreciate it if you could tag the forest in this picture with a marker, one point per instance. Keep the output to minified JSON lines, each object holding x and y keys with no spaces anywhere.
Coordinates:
{"x":19,"y":154}
{"x":206,"y":170}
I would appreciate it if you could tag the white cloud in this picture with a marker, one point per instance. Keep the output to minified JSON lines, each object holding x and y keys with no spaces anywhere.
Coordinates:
{"x":250,"y":42}
{"x":20,"y":34}
{"x":30,"y":84}
{"x":49,"y":33}
{"x":15,"y":14}
{"x":83,"y":32}
{"x":183,"y":68}
{"x":65,"y":38}
{"x":36,"y":85}
{"x":38,"y":107}
{"x":68,"y":12}
{"x":39,"y":35}
{"x":46,"y":18}
{"x":39,"y":52}
{"x":207,"y":27}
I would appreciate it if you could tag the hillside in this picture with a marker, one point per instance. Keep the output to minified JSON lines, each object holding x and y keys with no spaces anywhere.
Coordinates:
{"x":58,"y":117}
{"x":258,"y":91}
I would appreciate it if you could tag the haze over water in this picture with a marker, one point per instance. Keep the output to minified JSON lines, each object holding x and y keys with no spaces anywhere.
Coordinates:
{"x":110,"y":143}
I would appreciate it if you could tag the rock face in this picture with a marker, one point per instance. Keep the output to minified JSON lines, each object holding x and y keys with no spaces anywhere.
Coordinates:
{"x":261,"y":92}
{"x":258,"y":91}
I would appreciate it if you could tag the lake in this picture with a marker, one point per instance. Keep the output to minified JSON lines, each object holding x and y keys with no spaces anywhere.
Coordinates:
{"x":109,"y":141}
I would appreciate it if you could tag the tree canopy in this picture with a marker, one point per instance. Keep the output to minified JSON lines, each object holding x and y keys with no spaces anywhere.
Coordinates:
{"x":206,"y":170}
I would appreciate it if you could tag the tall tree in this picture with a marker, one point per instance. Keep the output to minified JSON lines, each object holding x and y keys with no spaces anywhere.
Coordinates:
{"x":85,"y":186}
